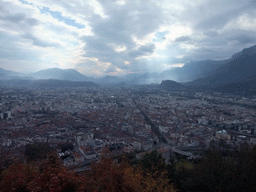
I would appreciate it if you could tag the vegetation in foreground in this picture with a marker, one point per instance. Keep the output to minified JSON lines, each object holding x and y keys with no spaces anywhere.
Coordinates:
{"x":214,"y":172}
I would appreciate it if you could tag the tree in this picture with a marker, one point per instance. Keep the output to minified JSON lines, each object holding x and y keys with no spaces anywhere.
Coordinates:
{"x":108,"y":175}
{"x":17,"y":177}
{"x":37,"y":150}
{"x":65,"y":146}
{"x":47,"y":176}
{"x":155,"y":173}
{"x":53,"y":176}
{"x":152,"y":161}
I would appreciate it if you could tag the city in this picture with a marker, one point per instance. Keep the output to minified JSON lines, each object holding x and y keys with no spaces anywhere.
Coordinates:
{"x":125,"y":119}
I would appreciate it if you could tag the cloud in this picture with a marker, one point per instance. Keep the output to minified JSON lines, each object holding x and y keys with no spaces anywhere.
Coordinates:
{"x":142,"y":51}
{"x":16,"y":18}
{"x":120,"y":37}
{"x":41,"y":43}
{"x":123,"y":23}
{"x":8,"y":47}
{"x":182,"y":39}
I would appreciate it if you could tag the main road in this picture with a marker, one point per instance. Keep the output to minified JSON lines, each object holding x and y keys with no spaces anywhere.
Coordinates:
{"x":154,"y":128}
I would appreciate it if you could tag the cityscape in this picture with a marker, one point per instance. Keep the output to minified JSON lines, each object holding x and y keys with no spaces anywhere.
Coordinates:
{"x":125,"y":119}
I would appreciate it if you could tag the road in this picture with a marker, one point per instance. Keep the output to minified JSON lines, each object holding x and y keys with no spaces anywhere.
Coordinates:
{"x":154,"y":128}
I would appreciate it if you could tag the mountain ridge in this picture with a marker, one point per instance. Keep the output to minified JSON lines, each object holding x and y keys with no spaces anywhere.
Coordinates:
{"x":241,"y":68}
{"x":60,"y":74}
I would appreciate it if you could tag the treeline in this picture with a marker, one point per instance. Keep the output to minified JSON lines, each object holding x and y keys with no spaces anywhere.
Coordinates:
{"x":213,"y":172}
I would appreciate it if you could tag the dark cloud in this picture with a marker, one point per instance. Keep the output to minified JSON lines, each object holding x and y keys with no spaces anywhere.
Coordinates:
{"x":32,"y":21}
{"x":142,"y":51}
{"x":253,"y":3}
{"x":243,"y":37}
{"x":137,"y":18}
{"x":210,"y":33}
{"x":183,"y":39}
{"x":36,"y":41}
{"x":222,"y":35}
{"x":134,"y":19}
{"x":16,"y":18}
{"x":216,"y":22}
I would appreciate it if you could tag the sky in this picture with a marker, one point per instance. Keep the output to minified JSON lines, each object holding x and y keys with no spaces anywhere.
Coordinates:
{"x":120,"y":37}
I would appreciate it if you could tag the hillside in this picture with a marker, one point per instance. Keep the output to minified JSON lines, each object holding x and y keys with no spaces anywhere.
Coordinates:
{"x":241,"y":68}
{"x":192,"y":70}
{"x":171,"y":85}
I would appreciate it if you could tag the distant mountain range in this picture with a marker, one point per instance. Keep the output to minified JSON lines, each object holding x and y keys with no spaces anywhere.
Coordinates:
{"x":239,"y":69}
{"x":8,"y":75}
{"x":58,"y":74}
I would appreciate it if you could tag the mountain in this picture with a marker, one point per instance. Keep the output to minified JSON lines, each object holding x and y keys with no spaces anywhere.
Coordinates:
{"x":189,"y":72}
{"x":245,"y":52}
{"x":171,"y":85}
{"x":205,"y":68}
{"x":240,"y":68}
{"x":243,"y":87}
{"x":9,"y":75}
{"x":8,"y":72}
{"x":60,"y":74}
{"x":192,"y":70}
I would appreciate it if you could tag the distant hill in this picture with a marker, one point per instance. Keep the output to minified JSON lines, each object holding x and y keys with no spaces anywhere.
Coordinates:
{"x":8,"y":72}
{"x":16,"y":83}
{"x":171,"y":85}
{"x":241,"y":68}
{"x":49,"y":83}
{"x":60,"y":74}
{"x":9,"y":75}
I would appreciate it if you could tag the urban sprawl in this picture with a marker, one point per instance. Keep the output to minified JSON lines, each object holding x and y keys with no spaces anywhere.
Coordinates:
{"x":124,"y":119}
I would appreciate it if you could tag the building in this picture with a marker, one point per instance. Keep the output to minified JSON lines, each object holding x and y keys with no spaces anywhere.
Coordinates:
{"x":222,"y":134}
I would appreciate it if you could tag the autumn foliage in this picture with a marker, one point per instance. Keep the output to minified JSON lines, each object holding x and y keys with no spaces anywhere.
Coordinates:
{"x":107,"y":175}
{"x":49,"y":175}
{"x":214,"y":172}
